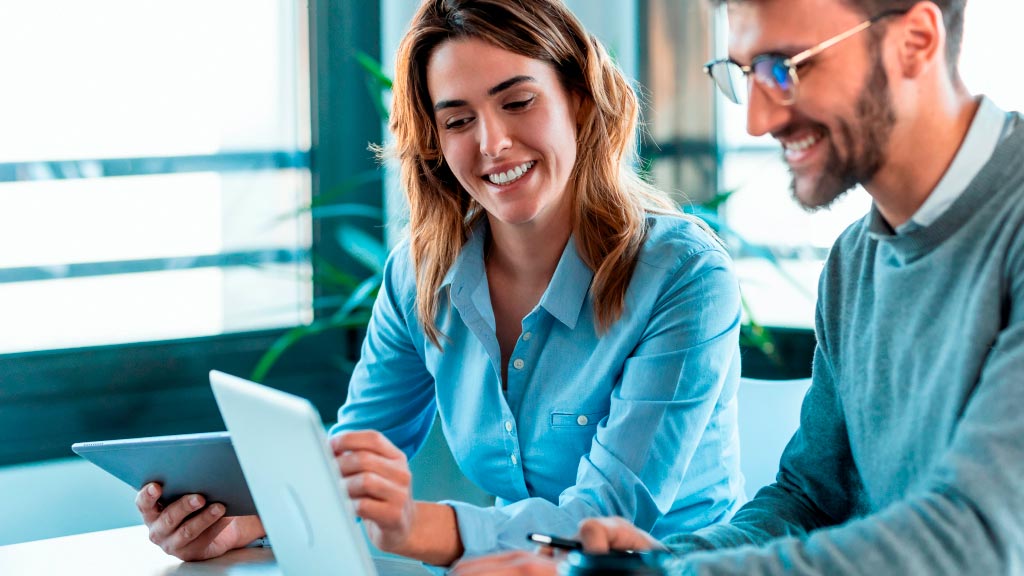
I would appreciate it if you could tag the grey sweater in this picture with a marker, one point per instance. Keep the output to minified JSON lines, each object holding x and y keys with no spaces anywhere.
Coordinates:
{"x":910,"y":454}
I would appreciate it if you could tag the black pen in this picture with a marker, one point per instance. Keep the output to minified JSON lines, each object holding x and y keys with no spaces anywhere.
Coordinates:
{"x":555,"y":541}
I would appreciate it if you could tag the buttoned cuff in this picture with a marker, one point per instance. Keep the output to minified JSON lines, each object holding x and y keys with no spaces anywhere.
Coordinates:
{"x":476,"y":528}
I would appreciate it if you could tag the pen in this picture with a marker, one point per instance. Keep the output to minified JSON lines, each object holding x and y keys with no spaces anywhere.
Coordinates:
{"x":555,"y":541}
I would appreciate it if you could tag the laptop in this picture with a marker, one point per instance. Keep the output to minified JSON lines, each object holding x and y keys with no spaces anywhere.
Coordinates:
{"x":288,"y":464}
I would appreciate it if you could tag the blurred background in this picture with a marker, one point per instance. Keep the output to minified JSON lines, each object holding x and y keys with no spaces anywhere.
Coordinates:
{"x":187,"y":185}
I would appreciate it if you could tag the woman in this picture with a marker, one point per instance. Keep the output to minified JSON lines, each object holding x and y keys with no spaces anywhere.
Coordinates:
{"x":577,"y":335}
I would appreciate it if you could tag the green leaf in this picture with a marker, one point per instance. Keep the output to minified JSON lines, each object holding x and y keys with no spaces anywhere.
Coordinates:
{"x":360,"y":297}
{"x":377,"y":83}
{"x":348,"y":211}
{"x":281,"y":345}
{"x":718,"y":200}
{"x":348,"y":185}
{"x":374,"y":68}
{"x":365,"y":248}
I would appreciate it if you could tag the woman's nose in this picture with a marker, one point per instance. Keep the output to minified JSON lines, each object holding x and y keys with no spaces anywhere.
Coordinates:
{"x":494,"y":137}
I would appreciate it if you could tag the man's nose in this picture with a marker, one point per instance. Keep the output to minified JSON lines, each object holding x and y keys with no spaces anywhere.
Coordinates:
{"x":764,"y":114}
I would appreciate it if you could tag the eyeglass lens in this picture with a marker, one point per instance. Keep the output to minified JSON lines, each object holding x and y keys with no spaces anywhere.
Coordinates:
{"x":777,"y":76}
{"x":731,"y":80}
{"x":770,"y":71}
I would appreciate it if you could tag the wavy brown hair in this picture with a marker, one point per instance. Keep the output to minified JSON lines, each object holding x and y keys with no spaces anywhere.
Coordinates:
{"x":609,"y":200}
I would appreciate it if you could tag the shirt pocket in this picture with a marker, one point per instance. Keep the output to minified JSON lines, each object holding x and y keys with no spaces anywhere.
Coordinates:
{"x":576,"y":420}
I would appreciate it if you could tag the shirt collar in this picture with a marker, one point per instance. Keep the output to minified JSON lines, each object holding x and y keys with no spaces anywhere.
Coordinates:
{"x":468,"y":268}
{"x":984,"y":134}
{"x":567,"y":291}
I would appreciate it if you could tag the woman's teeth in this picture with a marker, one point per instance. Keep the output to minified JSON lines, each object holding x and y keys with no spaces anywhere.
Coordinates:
{"x":512,"y":175}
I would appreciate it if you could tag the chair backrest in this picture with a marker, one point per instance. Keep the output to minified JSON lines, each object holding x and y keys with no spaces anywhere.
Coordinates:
{"x":769,"y":414}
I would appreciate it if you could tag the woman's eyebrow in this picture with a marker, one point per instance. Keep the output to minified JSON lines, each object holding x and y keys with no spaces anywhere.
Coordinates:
{"x":498,"y":88}
{"x":510,"y":83}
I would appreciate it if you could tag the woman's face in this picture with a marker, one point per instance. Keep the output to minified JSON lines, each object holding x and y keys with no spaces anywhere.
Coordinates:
{"x":507,"y":130}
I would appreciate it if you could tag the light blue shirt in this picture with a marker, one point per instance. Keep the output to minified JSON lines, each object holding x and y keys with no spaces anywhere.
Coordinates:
{"x":638,"y":422}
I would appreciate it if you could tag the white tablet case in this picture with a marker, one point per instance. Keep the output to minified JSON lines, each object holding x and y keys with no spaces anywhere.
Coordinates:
{"x":281,"y":445}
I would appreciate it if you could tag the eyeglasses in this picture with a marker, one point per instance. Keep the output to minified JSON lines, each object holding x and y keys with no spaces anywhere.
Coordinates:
{"x":776,"y":73}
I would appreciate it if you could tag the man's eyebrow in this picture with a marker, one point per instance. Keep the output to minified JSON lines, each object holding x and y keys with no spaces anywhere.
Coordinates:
{"x":501,"y":87}
{"x":787,"y":51}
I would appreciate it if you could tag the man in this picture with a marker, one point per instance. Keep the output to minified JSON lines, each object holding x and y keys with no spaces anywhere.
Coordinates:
{"x":910,"y":454}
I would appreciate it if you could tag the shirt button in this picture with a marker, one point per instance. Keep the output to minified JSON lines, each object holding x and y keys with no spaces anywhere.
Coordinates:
{"x":518,"y":364}
{"x":582,"y":420}
{"x":508,"y":425}
{"x":527,"y":336}
{"x":513,"y":458}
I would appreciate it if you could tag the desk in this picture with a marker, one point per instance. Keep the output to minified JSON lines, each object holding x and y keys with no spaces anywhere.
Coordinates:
{"x":128,"y":552}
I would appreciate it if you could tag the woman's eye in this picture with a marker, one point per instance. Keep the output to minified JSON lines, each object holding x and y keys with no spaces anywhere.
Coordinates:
{"x":456,"y":123}
{"x":519,"y":104}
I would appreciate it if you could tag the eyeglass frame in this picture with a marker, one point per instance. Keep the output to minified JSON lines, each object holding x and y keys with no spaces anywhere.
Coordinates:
{"x":791,"y":63}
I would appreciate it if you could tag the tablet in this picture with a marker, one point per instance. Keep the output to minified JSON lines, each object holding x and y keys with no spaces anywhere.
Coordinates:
{"x":295,"y":480}
{"x":184,"y":464}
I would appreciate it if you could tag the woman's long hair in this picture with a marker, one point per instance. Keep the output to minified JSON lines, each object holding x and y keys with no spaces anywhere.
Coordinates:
{"x":609,"y":200}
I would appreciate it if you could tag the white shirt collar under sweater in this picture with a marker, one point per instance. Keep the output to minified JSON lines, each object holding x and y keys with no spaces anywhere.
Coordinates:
{"x":989,"y":127}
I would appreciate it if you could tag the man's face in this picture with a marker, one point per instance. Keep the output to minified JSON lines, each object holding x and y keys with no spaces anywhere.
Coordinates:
{"x":835,"y":135}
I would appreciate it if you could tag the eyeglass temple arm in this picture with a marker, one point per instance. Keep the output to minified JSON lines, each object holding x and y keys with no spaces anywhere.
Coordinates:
{"x":813,"y":51}
{"x":798,"y":59}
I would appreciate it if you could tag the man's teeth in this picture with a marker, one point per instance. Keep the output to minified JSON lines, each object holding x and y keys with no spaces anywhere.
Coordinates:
{"x":512,"y":175}
{"x":802,"y":144}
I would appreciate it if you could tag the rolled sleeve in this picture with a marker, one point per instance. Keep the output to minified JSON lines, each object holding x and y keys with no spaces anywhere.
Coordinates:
{"x":391,"y":389}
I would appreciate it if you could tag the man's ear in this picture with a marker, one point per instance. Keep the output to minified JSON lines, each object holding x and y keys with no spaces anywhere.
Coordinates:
{"x":921,"y":37}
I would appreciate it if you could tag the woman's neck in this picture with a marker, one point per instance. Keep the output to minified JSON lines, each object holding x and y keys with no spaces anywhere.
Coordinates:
{"x":530,"y":252}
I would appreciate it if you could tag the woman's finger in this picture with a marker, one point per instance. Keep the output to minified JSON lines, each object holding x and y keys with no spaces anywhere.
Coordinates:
{"x":195,"y":530}
{"x":368,"y":440}
{"x":172,"y":516}
{"x":352,"y":463}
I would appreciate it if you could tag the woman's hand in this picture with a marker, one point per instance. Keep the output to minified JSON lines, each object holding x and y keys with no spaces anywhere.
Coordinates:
{"x":378,"y":480}
{"x":183,"y":532}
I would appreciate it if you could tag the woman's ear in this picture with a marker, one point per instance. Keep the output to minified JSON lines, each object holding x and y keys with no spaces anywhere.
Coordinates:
{"x":921,"y":39}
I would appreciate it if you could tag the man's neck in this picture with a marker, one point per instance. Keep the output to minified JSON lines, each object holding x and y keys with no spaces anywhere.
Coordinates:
{"x":917,"y":160}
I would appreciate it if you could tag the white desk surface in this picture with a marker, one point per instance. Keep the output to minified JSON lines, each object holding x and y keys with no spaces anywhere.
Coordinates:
{"x":128,"y":552}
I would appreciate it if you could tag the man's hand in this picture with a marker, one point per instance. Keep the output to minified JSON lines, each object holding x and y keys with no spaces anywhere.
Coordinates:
{"x":599,"y":535}
{"x":518,"y":563}
{"x":187,"y":530}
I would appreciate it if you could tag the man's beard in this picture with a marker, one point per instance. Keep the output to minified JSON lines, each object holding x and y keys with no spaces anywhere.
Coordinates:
{"x":865,"y":143}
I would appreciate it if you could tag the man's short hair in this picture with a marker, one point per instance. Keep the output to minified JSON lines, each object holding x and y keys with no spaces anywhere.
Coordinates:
{"x":952,"y":16}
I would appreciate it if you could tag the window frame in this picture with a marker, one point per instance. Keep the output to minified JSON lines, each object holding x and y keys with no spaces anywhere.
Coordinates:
{"x":695,"y":152}
{"x":52,"y":398}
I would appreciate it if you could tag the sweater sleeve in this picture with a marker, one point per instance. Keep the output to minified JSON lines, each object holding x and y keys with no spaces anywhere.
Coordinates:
{"x":966,"y":515}
{"x":816,"y":485}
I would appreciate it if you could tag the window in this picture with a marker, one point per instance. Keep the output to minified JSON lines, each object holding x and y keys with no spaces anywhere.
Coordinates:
{"x":152,"y":169}
{"x":155,"y":162}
